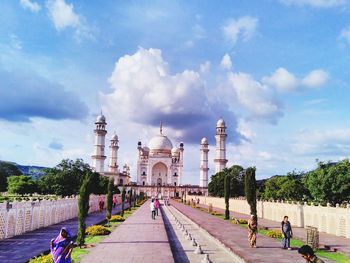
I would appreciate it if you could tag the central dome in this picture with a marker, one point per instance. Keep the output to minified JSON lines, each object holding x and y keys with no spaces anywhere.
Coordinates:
{"x":160,"y":142}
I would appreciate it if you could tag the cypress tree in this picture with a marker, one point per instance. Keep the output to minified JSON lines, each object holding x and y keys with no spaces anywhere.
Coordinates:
{"x":110,"y":198}
{"x":123,"y":201}
{"x":130,"y":199}
{"x":227,"y":196}
{"x":83,"y":209}
{"x":250,"y":189}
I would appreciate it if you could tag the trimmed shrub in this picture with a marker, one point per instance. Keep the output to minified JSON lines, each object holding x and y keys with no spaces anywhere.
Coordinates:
{"x":275,"y":234}
{"x":117,"y":218}
{"x":97,"y":230}
{"x":42,"y":259}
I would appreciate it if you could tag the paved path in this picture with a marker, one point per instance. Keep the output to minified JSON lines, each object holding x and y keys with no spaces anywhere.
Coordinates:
{"x":19,"y":249}
{"x":138,"y":239}
{"x":342,"y":244}
{"x":234,"y":237}
{"x":183,"y":248}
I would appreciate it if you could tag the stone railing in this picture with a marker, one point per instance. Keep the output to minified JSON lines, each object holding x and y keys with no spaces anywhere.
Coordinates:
{"x":17,"y":218}
{"x":331,"y":220}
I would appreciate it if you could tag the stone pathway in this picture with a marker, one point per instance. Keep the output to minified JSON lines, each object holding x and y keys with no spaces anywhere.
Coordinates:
{"x":234,"y":237}
{"x":138,"y":239}
{"x":19,"y":249}
{"x":341,"y":244}
{"x":183,"y":248}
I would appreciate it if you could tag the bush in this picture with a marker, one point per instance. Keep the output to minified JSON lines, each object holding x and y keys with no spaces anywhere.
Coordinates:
{"x":97,"y":230}
{"x":117,"y":218}
{"x":42,"y":259}
{"x":274,"y":234}
{"x":239,"y":221}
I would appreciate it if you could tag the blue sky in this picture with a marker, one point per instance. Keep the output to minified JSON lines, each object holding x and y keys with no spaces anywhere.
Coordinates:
{"x":276,"y":70}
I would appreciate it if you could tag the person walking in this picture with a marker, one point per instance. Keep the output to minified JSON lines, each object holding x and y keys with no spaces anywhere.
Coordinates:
{"x":252,"y":230}
{"x":62,"y":246}
{"x":309,"y":255}
{"x":153,"y":209}
{"x":114,"y":201}
{"x":156,"y":205}
{"x":287,"y":233}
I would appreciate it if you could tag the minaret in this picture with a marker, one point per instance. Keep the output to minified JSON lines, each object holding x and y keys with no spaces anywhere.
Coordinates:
{"x":98,"y":157}
{"x":113,"y":160}
{"x":181,"y":162}
{"x":220,"y":160}
{"x":203,"y":172}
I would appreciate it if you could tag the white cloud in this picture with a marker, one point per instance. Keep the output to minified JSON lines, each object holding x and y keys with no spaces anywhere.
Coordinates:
{"x":256,"y":97}
{"x":32,"y":6}
{"x":64,"y":16}
{"x":244,"y":26}
{"x":15,"y":42}
{"x":315,"y":78}
{"x":226,"y":62}
{"x":146,"y":93}
{"x":205,"y":67}
{"x":332,"y":143}
{"x":282,"y":79}
{"x":285,"y":81}
{"x":315,"y":3}
{"x":345,"y":34}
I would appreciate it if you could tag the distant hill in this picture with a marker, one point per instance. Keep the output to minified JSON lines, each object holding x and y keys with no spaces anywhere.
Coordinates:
{"x":34,"y":171}
{"x":12,"y":168}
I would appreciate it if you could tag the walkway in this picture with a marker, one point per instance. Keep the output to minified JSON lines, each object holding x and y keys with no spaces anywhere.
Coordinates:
{"x":341,"y":244}
{"x":234,"y":237}
{"x":183,"y":246}
{"x":138,"y":239}
{"x":19,"y":249}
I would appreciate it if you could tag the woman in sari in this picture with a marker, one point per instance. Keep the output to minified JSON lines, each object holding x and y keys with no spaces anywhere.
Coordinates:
{"x":62,"y":247}
{"x":252,"y":230}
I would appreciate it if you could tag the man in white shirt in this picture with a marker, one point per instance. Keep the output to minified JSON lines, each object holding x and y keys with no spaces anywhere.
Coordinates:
{"x":153,"y":209}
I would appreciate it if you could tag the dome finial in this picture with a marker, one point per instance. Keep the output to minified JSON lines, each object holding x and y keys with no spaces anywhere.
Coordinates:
{"x":161,"y":127}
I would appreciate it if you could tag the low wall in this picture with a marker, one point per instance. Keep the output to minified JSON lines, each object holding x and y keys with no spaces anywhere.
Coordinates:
{"x":17,"y":218}
{"x":331,"y":220}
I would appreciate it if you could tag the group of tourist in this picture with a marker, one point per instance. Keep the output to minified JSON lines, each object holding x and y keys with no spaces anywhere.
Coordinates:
{"x":154,"y":205}
{"x":306,"y":251}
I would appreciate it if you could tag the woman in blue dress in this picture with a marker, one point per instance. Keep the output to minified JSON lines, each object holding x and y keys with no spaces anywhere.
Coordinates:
{"x":62,"y":247}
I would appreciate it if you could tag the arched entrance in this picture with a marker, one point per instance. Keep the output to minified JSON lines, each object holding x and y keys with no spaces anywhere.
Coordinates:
{"x":159,"y":174}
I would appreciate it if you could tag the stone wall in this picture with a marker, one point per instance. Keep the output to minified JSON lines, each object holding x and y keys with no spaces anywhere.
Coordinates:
{"x":331,"y":220}
{"x":17,"y":218}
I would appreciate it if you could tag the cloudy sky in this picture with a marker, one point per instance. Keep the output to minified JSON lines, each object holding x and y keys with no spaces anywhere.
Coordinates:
{"x":277,"y":71}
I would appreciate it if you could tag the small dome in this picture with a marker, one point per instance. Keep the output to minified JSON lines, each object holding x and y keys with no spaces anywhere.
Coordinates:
{"x":101,"y":118}
{"x":114,"y":137}
{"x":204,"y":141}
{"x":175,"y":151}
{"x":145,"y":149}
{"x":220,"y":123}
{"x":160,"y":142}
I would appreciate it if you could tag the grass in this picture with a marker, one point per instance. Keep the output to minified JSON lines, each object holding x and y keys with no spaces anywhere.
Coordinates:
{"x":334,"y":256}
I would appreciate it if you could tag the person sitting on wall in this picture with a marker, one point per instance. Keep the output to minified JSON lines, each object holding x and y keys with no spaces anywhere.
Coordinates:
{"x":62,"y":246}
{"x":308,"y":254}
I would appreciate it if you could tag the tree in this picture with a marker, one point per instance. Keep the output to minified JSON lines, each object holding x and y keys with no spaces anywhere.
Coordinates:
{"x":288,"y":187}
{"x":21,"y":185}
{"x":7,"y":169}
{"x":65,"y":179}
{"x":227,"y":197}
{"x":330,"y":182}
{"x":250,"y":189}
{"x":83,"y":208}
{"x":123,"y":201}
{"x":216,"y":185}
{"x":110,"y":198}
{"x":130,"y":199}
